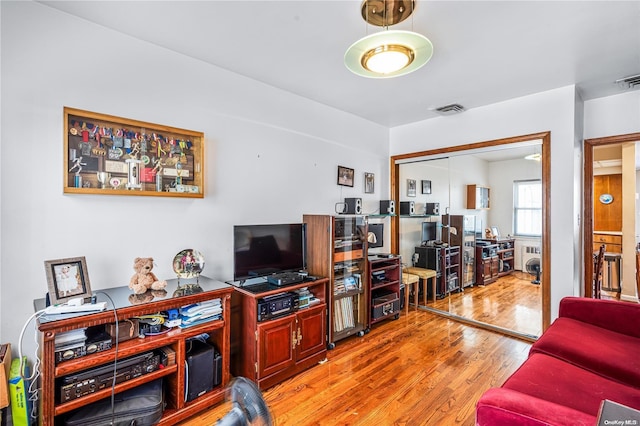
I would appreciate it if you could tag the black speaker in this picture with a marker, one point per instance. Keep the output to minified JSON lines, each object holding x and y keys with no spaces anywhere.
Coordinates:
{"x":432,"y":208}
{"x":387,"y":207}
{"x":407,"y":207}
{"x":352,"y":206}
{"x":203,"y":369}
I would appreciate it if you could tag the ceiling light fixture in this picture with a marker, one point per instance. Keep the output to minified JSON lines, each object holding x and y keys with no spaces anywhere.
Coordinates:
{"x":388,"y":53}
{"x":535,"y":157}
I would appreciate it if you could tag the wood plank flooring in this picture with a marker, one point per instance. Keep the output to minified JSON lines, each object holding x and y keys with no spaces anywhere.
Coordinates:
{"x":511,"y":302}
{"x":421,"y":369}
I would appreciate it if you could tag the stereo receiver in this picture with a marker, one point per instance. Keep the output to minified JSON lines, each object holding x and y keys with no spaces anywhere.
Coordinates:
{"x":89,"y":381}
{"x":277,"y":305}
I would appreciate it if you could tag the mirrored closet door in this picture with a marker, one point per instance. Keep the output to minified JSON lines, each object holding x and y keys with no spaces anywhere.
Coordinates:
{"x":478,"y":221}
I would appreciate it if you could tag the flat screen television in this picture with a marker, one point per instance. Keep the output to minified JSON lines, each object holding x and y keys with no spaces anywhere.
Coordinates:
{"x":260,"y":250}
{"x":377,"y":240}
{"x":431,"y":231}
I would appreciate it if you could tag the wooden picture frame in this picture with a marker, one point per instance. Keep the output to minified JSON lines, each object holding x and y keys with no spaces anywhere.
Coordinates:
{"x":411,"y":187}
{"x":369,"y":183}
{"x":67,"y":279}
{"x":345,"y":176}
{"x":426,"y":187}
{"x":109,"y":155}
{"x":495,"y":232}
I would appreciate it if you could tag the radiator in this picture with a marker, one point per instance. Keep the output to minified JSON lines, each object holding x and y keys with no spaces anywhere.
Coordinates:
{"x":525,"y":250}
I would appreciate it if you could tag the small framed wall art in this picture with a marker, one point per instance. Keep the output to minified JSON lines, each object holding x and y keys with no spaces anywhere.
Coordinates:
{"x":426,"y":187}
{"x":369,"y":183}
{"x":345,"y":176}
{"x":110,"y":155}
{"x":411,"y":187}
{"x":67,"y":279}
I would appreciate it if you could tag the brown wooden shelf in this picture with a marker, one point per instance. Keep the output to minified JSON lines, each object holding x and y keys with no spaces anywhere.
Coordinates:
{"x":174,"y":375}
{"x":134,"y":346}
{"x":103,"y":393}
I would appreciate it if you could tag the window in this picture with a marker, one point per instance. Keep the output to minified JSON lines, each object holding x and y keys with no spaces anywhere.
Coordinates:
{"x":527,"y":207}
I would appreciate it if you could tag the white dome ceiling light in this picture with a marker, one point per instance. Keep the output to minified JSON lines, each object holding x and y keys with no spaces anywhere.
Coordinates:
{"x":388,"y":53}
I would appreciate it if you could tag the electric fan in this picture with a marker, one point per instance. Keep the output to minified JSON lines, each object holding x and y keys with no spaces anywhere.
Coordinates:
{"x":249,"y":408}
{"x":533,"y":267}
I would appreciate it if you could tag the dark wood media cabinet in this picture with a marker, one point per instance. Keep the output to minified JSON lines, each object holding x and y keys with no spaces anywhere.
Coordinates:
{"x":52,"y":411}
{"x":273,"y":350}
{"x":385,"y":274}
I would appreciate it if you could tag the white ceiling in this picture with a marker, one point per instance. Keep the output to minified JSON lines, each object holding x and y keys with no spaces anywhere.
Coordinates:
{"x":484,"y":51}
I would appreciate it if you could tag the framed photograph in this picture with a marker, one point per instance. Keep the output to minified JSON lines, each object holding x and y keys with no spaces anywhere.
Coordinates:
{"x":426,"y":187}
{"x":345,"y":176}
{"x":369,"y":181}
{"x":411,"y":187}
{"x":67,"y":279}
{"x":495,"y":232}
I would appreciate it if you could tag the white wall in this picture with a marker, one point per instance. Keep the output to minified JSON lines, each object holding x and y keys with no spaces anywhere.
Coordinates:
{"x":270,"y":156}
{"x":613,"y":115}
{"x":553,"y":111}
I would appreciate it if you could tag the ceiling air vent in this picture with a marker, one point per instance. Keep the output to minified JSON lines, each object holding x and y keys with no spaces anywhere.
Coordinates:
{"x":450,"y":109}
{"x":629,"y":82}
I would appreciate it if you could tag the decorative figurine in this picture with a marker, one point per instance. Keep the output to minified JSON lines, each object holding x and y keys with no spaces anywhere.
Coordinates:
{"x":77,"y":166}
{"x":133,"y":175}
{"x":159,"y":166}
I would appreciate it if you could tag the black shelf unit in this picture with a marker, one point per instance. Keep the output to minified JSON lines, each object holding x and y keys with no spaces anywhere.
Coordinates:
{"x":447,"y":263}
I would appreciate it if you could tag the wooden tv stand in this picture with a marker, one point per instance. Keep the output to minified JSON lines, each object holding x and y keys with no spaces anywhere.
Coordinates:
{"x":274,"y":349}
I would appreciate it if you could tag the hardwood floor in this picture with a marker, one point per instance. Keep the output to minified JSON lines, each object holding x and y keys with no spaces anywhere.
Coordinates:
{"x":421,"y":369}
{"x":511,"y":302}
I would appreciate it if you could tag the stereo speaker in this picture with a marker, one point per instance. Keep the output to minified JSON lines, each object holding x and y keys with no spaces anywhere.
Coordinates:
{"x":387,"y":207}
{"x":203,"y":369}
{"x":432,"y":208}
{"x":407,"y":207}
{"x":352,"y":206}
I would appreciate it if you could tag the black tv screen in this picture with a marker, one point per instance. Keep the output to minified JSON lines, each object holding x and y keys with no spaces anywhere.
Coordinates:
{"x":377,"y":240}
{"x":260,"y":250}
{"x":431,"y":231}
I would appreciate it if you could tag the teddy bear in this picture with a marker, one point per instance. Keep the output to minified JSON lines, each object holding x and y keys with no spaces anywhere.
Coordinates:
{"x":144,"y":279}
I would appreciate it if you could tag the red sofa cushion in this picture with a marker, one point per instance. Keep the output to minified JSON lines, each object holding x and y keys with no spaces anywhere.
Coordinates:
{"x":507,"y":407}
{"x":621,"y":317}
{"x":551,"y":379}
{"x":602,"y":351}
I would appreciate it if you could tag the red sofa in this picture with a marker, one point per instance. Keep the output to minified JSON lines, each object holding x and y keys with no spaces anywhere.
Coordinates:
{"x":591,"y":352}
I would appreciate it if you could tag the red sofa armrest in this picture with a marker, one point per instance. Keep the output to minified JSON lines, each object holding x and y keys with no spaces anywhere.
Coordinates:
{"x":508,"y":407}
{"x":621,"y":317}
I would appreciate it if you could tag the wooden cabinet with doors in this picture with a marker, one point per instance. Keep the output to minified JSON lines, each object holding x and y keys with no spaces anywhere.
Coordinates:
{"x":607,"y":203}
{"x":273,"y":347}
{"x":478,"y":197}
{"x":612,"y":242}
{"x":487,"y":264}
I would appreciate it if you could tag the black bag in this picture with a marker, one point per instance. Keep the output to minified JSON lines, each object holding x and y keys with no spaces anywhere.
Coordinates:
{"x":140,"y":406}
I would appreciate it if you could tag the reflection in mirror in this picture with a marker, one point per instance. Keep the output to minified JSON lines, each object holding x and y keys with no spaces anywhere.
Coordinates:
{"x":485,"y":240}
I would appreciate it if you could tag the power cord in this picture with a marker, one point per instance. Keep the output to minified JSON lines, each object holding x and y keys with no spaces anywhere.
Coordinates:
{"x":115,"y":358}
{"x":33,"y":389}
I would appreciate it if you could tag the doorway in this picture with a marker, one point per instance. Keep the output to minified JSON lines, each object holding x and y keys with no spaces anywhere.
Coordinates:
{"x":624,"y":231}
{"x":399,"y":187}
